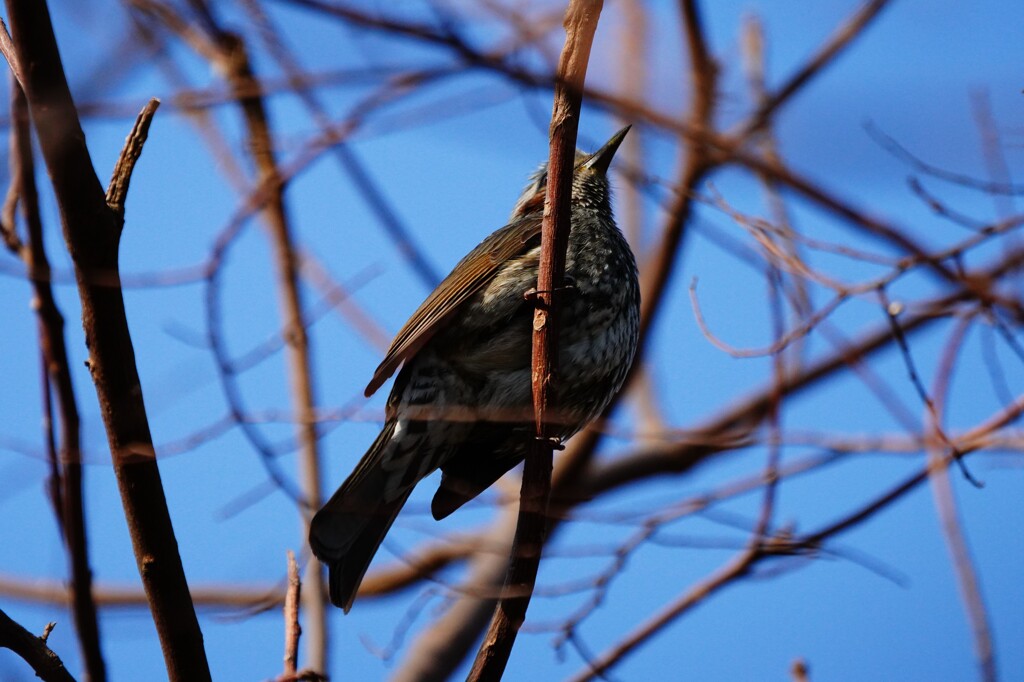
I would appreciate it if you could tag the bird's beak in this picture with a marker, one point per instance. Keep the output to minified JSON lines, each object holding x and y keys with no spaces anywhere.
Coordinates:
{"x":602,"y":158}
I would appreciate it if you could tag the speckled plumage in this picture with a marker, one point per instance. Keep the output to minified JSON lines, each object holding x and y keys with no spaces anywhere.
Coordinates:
{"x":462,"y":401}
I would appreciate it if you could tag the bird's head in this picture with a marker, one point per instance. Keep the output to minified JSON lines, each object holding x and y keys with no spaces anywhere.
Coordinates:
{"x":589,"y":182}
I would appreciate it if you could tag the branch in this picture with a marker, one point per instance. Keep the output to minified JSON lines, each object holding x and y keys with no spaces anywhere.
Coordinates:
{"x":447,"y":642}
{"x":292,"y":629}
{"x":92,"y":232}
{"x":69,"y":500}
{"x":741,"y":416}
{"x":737,"y":568}
{"x":351,"y":163}
{"x":581,"y":19}
{"x":33,"y":650}
{"x":117,"y":190}
{"x":229,"y":54}
{"x":949,"y":518}
{"x":696,"y":162}
{"x":842,"y":38}
{"x":8,"y":51}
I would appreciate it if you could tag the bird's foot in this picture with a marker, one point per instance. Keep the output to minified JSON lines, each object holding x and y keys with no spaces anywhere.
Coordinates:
{"x":555,"y":443}
{"x":532,"y":293}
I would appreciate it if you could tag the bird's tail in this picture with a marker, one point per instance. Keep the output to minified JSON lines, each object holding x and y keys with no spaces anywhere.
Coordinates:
{"x":347,"y":531}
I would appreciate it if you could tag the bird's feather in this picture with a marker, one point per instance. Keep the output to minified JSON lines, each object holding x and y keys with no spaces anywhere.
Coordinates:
{"x":470,"y":275}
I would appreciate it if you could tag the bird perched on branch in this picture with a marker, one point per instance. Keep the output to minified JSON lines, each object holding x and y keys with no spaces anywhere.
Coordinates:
{"x":462,"y":401}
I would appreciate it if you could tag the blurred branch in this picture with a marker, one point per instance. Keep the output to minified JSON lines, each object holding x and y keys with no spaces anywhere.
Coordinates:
{"x":737,"y":568}
{"x":92,"y":232}
{"x":67,"y":491}
{"x":33,"y":650}
{"x":743,"y":415}
{"x":229,"y":54}
{"x":992,"y":150}
{"x":696,"y":162}
{"x":946,"y":508}
{"x":347,"y":158}
{"x":825,"y":55}
{"x":998,"y":187}
{"x":783,"y":544}
{"x":412,"y":569}
{"x":445,"y":644}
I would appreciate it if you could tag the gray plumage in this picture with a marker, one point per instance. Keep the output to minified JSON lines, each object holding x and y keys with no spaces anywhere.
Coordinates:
{"x":462,"y":401}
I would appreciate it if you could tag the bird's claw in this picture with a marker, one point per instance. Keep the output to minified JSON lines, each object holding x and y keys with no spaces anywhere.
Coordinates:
{"x":532,"y":293}
{"x":555,"y":443}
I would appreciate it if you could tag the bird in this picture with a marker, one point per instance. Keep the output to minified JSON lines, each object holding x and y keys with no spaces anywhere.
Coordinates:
{"x":462,"y":400}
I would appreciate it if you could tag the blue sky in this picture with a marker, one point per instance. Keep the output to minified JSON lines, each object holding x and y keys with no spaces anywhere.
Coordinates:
{"x":452,"y":181}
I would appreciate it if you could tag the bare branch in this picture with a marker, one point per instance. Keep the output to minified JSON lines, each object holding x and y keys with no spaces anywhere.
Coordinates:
{"x":946,"y":508}
{"x":845,"y":35}
{"x":92,"y":232}
{"x":117,"y":190}
{"x":9,"y":52}
{"x":66,"y":488}
{"x":736,"y":568}
{"x":292,"y":629}
{"x":46,"y":664}
{"x":229,"y":53}
{"x":581,"y":19}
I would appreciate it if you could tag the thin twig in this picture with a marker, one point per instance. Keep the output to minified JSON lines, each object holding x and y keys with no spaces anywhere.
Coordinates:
{"x":117,"y":190}
{"x":33,"y":650}
{"x":9,"y":53}
{"x":371,"y":191}
{"x":992,"y":187}
{"x":843,"y":37}
{"x":67,"y":485}
{"x":946,"y":508}
{"x":892,"y":311}
{"x":229,"y":53}
{"x":292,"y":629}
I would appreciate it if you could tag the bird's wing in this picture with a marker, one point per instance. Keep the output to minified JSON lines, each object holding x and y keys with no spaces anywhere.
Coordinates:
{"x":471,"y":274}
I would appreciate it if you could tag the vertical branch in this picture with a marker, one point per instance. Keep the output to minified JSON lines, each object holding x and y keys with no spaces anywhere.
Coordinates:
{"x":946,"y":508}
{"x":633,"y":66}
{"x":92,"y":231}
{"x":755,"y":65}
{"x":580,"y":23}
{"x":292,"y":629}
{"x":634,"y":35}
{"x":67,"y":489}
{"x":300,"y":371}
{"x":992,"y":150}
{"x":656,"y":272}
{"x":696,"y":161}
{"x":229,"y":53}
